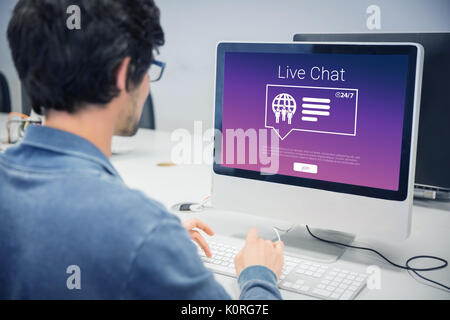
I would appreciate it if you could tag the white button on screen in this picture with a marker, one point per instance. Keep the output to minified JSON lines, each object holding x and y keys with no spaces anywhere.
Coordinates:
{"x":305,"y":167}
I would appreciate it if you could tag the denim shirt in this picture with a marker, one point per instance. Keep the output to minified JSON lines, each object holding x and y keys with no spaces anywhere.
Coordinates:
{"x":63,"y":204}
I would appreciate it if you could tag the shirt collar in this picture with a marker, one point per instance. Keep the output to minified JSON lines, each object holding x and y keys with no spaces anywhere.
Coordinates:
{"x":66,"y":143}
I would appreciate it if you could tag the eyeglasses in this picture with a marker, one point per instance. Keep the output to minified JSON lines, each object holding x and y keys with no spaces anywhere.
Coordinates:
{"x":156,"y":70}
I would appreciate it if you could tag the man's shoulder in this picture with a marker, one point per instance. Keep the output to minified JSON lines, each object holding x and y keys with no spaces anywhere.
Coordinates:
{"x":123,"y":200}
{"x":113,"y":205}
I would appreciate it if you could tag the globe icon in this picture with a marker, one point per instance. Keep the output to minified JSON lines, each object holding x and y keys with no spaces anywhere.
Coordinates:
{"x":284,"y":104}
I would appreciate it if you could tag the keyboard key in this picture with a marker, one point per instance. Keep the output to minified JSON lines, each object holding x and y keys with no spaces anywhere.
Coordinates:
{"x":335,"y":295}
{"x":287,"y":284}
{"x":289,"y":268}
{"x":304,"y":288}
{"x":221,"y":269}
{"x":346,"y":295}
{"x":317,"y":275}
{"x":322,"y":292}
{"x":352,"y":288}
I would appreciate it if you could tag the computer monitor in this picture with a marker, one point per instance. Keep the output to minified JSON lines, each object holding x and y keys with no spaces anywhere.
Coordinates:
{"x":433,"y":157}
{"x":319,"y":134}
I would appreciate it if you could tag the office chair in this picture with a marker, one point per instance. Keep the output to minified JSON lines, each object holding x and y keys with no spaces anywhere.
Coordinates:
{"x":5,"y":100}
{"x":148,"y":115}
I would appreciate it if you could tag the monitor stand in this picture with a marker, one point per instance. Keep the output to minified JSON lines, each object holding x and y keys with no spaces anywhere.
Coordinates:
{"x":300,"y":243}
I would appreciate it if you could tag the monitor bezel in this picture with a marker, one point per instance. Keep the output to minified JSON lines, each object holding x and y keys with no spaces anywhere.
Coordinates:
{"x":335,"y":48}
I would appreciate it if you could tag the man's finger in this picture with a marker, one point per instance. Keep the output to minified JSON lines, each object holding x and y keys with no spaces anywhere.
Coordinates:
{"x":196,"y":223}
{"x":279,"y":245}
{"x":204,"y":227}
{"x":197,"y":237}
{"x":189,"y":224}
{"x":252,"y":234}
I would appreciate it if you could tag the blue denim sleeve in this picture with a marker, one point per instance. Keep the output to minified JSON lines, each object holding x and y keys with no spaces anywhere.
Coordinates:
{"x":167,"y":266}
{"x":258,"y":283}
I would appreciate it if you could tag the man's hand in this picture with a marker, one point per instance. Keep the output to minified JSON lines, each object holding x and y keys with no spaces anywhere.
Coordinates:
{"x":258,"y":251}
{"x":192,"y":224}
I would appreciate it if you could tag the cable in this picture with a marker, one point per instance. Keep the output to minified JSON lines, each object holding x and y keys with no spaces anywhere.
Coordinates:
{"x":284,"y":230}
{"x":405,"y":267}
{"x":276,"y":231}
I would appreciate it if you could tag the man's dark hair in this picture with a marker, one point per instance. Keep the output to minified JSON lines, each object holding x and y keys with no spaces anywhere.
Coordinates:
{"x":64,"y":69}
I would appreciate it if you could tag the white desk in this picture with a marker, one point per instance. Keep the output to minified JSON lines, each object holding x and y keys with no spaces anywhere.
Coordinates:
{"x":191,"y":183}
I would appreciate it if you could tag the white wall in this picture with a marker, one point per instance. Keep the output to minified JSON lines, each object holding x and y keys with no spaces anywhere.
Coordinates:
{"x":193,"y":28}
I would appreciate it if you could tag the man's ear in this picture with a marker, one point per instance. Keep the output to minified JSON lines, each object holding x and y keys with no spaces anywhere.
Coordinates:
{"x":121,"y":75}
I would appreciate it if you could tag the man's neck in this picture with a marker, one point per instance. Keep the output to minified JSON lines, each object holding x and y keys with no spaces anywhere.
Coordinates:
{"x":91,"y":124}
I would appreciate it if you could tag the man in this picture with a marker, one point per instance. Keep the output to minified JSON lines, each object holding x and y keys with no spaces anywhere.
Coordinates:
{"x":63,"y":204}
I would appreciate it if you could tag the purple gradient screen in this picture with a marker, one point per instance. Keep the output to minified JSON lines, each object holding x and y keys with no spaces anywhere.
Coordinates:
{"x":355,"y":138}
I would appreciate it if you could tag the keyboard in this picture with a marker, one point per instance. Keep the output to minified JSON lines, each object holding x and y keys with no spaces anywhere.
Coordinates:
{"x":328,"y":281}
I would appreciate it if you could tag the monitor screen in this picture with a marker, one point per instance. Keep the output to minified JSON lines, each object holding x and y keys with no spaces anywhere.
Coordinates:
{"x":315,"y":118}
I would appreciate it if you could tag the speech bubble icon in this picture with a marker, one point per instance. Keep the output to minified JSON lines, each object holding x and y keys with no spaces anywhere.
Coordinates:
{"x":311,"y":109}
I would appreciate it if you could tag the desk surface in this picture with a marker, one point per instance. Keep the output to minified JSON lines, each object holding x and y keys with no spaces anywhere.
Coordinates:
{"x":191,"y":183}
